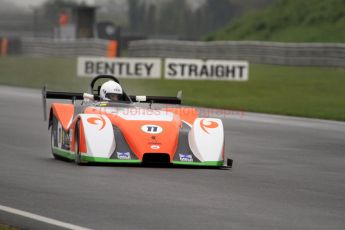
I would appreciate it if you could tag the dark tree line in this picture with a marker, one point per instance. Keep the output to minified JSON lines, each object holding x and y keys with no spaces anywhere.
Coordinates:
{"x":176,"y":18}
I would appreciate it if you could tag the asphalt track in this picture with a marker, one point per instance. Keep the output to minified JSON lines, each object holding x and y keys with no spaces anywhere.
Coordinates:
{"x":289,"y":173}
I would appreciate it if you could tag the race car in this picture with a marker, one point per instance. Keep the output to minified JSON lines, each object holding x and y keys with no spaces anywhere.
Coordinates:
{"x":130,"y":131}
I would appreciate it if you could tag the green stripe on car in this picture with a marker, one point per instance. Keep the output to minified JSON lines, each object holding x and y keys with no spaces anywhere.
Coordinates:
{"x":206,"y":163}
{"x":63,"y":153}
{"x":71,"y":156}
{"x":107,"y":160}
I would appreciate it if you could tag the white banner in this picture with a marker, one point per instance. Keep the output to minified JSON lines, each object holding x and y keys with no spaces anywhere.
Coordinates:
{"x":119,"y":67}
{"x":197,"y":69}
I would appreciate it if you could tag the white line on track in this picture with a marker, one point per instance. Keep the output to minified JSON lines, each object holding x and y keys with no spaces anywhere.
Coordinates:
{"x":41,"y":218}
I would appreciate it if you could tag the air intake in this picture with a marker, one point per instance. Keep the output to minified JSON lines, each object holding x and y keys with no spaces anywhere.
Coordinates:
{"x":156,"y":158}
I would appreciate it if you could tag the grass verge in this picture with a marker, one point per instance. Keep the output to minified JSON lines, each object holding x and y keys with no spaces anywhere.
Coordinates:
{"x":289,"y":21}
{"x":6,"y":227}
{"x":299,"y":91}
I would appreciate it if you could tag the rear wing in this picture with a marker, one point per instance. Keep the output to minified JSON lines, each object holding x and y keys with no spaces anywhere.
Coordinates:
{"x":83,"y":96}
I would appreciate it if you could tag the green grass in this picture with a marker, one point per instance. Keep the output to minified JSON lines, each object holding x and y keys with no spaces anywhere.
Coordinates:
{"x":6,"y":227}
{"x":290,"y":21}
{"x":299,"y":91}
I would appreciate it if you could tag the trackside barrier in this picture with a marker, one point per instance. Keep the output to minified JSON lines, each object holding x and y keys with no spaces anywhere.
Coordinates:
{"x":112,"y":49}
{"x":4,"y":47}
{"x":293,"y":54}
{"x":48,"y":47}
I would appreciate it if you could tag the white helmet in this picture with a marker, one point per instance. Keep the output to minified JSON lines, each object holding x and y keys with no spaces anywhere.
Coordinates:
{"x":109,"y":89}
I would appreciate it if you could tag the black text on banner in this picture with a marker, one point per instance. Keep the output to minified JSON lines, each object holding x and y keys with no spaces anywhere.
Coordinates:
{"x":119,"y":67}
{"x":197,"y":69}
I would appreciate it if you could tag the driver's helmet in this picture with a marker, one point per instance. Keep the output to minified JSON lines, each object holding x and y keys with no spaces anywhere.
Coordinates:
{"x":111,"y":91}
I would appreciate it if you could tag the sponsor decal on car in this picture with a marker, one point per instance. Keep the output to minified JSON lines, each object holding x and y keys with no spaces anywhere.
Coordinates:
{"x":97,"y":121}
{"x":103,"y":104}
{"x":152,"y":129}
{"x":205,"y":125}
{"x":186,"y":157}
{"x":123,"y":155}
{"x":154,"y":143}
{"x":155,"y":147}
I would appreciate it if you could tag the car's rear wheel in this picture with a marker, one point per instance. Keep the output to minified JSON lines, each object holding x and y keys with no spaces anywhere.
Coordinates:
{"x":52,"y":138}
{"x":52,"y":144}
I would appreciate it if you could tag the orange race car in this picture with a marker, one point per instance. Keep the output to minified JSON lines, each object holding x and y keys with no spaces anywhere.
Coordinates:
{"x":110,"y":126}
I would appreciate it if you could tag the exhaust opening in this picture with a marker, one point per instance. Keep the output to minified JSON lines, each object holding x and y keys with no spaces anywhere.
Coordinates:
{"x":156,"y":158}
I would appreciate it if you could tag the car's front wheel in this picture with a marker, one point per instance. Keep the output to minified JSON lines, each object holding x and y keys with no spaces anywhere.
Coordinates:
{"x":77,"y":155}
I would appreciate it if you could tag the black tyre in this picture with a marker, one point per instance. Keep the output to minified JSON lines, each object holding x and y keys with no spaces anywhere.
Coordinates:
{"x":77,"y":158}
{"x":53,"y":129}
{"x":52,"y":144}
